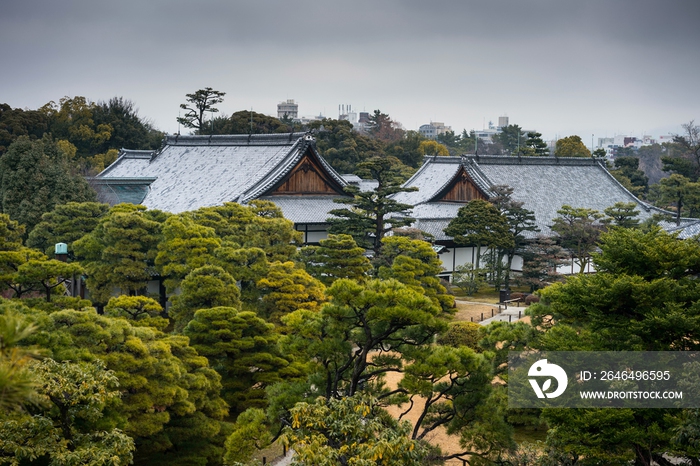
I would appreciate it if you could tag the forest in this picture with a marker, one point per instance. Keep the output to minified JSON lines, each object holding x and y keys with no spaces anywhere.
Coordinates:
{"x":209,"y":335}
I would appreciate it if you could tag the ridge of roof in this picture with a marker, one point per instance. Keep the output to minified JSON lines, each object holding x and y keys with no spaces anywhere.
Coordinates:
{"x":281,"y":139}
{"x":512,"y":160}
{"x":121,"y":180}
{"x":479,"y":177}
{"x":136,"y":154}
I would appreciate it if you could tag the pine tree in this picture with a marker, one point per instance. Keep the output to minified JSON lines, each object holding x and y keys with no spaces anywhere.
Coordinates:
{"x":287,"y":288}
{"x":338,"y":256}
{"x":242,"y":347}
{"x":372,"y":213}
{"x":34,"y":178}
{"x":203,"y":288}
{"x":66,"y":223}
{"x":120,"y":251}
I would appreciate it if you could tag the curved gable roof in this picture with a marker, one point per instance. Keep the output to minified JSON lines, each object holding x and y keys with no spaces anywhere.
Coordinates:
{"x":543,"y":184}
{"x":197,"y":171}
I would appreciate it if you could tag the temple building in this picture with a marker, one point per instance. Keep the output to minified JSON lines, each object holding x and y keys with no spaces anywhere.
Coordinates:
{"x":543,"y":184}
{"x":189,"y":172}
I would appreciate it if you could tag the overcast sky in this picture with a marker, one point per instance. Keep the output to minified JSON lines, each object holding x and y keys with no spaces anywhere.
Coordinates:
{"x":558,"y":66}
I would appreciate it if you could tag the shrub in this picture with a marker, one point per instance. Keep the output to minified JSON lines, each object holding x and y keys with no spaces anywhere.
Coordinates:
{"x":531,"y":298}
{"x":461,"y":334}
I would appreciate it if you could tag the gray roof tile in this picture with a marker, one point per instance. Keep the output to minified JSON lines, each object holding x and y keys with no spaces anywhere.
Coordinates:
{"x":198,"y":171}
{"x":543,"y":184}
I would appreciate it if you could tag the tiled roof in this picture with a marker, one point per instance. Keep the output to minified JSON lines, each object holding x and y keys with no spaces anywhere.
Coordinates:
{"x":305,"y":209}
{"x":689,"y":230}
{"x":198,"y":171}
{"x":435,"y":173}
{"x":543,"y":184}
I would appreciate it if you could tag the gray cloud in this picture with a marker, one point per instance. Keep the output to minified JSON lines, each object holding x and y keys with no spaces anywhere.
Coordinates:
{"x":556,"y":65}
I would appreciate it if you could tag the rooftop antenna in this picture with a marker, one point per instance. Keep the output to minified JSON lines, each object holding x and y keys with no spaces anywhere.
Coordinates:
{"x":251,"y":120}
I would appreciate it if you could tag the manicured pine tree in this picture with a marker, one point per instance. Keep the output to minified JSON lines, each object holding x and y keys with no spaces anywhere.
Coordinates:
{"x":242,"y":347}
{"x":203,"y":288}
{"x":287,"y":288}
{"x":338,"y":256}
{"x":66,"y":223}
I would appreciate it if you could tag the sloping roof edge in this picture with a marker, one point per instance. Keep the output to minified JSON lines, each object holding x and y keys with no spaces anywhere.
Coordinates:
{"x":300,"y":148}
{"x":481,"y":185}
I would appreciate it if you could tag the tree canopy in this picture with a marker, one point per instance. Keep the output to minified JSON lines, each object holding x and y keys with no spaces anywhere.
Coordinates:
{"x":198,"y":103}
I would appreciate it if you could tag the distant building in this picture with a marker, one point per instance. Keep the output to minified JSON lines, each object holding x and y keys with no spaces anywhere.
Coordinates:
{"x":434,"y":129}
{"x":614,"y":144}
{"x":290,"y":109}
{"x":346,"y":113}
{"x":502,"y":121}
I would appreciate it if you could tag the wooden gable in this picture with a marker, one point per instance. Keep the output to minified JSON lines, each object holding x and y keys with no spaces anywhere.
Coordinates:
{"x":308,"y":177}
{"x":461,"y":189}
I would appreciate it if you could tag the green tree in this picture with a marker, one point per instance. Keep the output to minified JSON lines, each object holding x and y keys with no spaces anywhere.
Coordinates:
{"x":18,"y":385}
{"x":344,"y":148}
{"x":260,"y":224}
{"x":353,"y":430}
{"x":250,"y":433}
{"x":480,"y":224}
{"x":247,"y":266}
{"x":372,"y":213}
{"x":242,"y":348}
{"x":361,"y":319}
{"x":129,"y":130}
{"x":571,"y":146}
{"x":578,"y":229}
{"x":47,"y":275}
{"x":287,"y":288}
{"x":70,"y":430}
{"x":455,"y":386}
{"x":249,"y":122}
{"x":170,"y":395}
{"x":202,"y":101}
{"x":468,"y":279}
{"x":686,"y":157}
{"x":642,"y":298}
{"x":461,"y":333}
{"x":12,"y":255}
{"x":415,"y":264}
{"x":622,"y":214}
{"x":185,"y":246}
{"x":430,"y":147}
{"x":536,"y":145}
{"x":520,"y":221}
{"x":408,"y":149}
{"x":679,"y":192}
{"x":18,"y":122}
{"x":72,"y":120}
{"x":541,"y":259}
{"x":203,"y":288}
{"x":34,"y":178}
{"x":628,"y":173}
{"x":120,"y":251}
{"x":138,"y":310}
{"x":383,"y":128}
{"x":511,"y":139}
{"x":66,"y":223}
{"x":337,"y":256}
